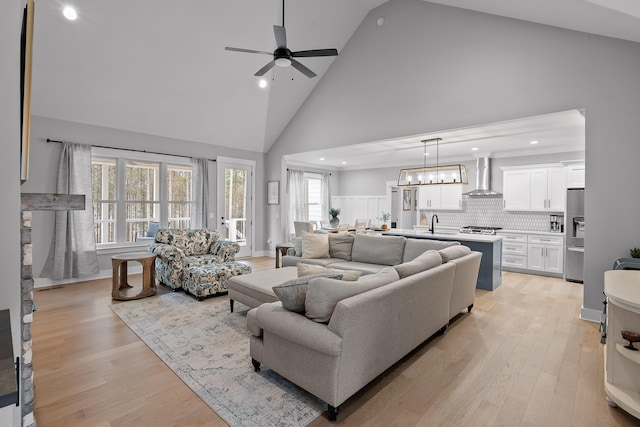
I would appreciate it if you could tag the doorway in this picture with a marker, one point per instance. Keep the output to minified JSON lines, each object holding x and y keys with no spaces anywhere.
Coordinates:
{"x":235,"y":202}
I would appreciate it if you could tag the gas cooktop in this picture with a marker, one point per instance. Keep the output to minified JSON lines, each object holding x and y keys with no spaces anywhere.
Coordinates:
{"x":478,"y":229}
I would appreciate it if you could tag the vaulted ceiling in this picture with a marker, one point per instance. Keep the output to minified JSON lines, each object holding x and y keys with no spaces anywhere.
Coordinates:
{"x":159,"y":67}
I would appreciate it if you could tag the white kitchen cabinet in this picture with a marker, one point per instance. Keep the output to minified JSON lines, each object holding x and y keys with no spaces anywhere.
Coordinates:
{"x":575,"y":175}
{"x":545,"y":253}
{"x":621,"y":365}
{"x":517,"y":189}
{"x":540,"y":189}
{"x":442,"y":197}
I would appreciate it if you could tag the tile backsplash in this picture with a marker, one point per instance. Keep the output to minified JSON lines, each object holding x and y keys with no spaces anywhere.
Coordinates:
{"x":488,"y":212}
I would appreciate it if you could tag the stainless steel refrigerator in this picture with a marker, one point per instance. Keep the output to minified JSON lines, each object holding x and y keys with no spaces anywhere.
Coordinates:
{"x":574,"y":236}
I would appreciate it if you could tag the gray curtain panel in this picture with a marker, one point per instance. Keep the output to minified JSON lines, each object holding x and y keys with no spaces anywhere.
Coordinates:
{"x":296,"y":194}
{"x":200,"y":192}
{"x":73,"y":247}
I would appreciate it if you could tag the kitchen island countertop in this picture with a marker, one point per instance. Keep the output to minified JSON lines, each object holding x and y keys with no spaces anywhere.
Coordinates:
{"x":469,"y":237}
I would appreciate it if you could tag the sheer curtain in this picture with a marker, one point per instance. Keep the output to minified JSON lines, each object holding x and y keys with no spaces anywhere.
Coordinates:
{"x":200,"y":192}
{"x":326,"y":197}
{"x":73,"y":247}
{"x":296,"y":193}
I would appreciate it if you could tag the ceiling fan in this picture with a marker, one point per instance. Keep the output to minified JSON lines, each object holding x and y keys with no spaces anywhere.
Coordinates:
{"x":282,"y":56}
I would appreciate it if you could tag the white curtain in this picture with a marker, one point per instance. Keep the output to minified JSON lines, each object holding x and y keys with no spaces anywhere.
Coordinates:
{"x":200,"y":192}
{"x":73,"y":247}
{"x":296,"y":193}
{"x":326,"y":197}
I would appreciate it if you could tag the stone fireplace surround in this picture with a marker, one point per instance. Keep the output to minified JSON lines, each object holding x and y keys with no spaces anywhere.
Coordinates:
{"x":34,"y":202}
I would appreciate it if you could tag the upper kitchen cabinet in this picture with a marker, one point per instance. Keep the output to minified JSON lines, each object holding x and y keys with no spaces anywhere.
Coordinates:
{"x":534,"y":188}
{"x":440,"y":197}
{"x":575,"y":175}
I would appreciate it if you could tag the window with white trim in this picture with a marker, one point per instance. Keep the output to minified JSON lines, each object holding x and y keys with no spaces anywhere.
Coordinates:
{"x":130,"y":193}
{"x":313,"y":205}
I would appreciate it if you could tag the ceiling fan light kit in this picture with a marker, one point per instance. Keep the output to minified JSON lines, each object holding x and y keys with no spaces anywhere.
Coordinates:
{"x":282,"y":56}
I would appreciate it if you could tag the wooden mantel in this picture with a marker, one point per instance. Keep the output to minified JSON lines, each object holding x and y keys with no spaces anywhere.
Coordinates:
{"x":51,"y":202}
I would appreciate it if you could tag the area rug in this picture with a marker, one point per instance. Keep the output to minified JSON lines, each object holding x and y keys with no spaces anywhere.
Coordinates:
{"x":208,"y":348}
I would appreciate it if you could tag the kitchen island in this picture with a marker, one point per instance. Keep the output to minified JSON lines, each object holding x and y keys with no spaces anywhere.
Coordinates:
{"x":490,"y":275}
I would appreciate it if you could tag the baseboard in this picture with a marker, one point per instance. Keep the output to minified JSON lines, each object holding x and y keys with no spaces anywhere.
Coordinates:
{"x":263,"y":253}
{"x":42,"y":282}
{"x":591,"y":315}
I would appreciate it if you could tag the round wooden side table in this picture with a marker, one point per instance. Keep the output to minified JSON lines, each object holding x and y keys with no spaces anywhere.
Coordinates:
{"x":120,"y":285}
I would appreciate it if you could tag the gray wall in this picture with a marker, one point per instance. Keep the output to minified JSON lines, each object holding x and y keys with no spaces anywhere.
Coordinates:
{"x":10,"y":18}
{"x":44,"y":164}
{"x":432,"y":67}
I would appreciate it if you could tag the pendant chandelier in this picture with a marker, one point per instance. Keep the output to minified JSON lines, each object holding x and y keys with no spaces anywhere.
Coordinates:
{"x":433,"y":175}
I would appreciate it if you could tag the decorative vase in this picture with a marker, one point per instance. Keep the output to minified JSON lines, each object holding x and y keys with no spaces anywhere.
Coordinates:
{"x":383,"y":227}
{"x":335,"y":222}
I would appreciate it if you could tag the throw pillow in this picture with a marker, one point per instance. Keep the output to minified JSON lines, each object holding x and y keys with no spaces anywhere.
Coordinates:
{"x":297,"y":245}
{"x":453,"y":252}
{"x":305,"y":269}
{"x":416,"y":247}
{"x":324,"y":294}
{"x":315,"y":245}
{"x":426,"y":261}
{"x":340,"y":246}
{"x":292,"y":293}
{"x":381,"y":250}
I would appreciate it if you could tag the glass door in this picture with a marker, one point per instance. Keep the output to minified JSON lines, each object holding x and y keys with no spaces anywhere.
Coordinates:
{"x":235,"y":218}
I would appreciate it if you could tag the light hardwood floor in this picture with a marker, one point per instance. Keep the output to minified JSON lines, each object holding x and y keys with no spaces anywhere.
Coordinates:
{"x":521,"y":358}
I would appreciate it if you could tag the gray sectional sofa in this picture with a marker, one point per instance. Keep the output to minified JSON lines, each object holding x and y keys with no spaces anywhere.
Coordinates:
{"x":411,"y":295}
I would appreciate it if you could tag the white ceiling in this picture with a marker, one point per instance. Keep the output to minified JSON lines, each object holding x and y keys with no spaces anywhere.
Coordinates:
{"x":159,"y":67}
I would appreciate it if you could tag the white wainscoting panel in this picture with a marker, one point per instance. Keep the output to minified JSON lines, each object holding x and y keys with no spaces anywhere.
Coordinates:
{"x":353,"y":207}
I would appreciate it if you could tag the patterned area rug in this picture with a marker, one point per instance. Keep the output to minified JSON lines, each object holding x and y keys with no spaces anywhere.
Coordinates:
{"x":208,"y":348}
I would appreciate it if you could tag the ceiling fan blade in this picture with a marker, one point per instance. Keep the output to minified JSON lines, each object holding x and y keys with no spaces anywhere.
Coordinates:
{"x":236,"y":49}
{"x":281,"y":36}
{"x":314,"y":52}
{"x":304,"y":70}
{"x":263,"y":70}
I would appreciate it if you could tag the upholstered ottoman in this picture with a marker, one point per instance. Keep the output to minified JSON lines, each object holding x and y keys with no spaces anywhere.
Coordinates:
{"x":210,"y":279}
{"x":255,"y":288}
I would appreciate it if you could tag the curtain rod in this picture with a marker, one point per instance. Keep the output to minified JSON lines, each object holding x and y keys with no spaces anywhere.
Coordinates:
{"x":302,"y":170}
{"x":133,"y":149}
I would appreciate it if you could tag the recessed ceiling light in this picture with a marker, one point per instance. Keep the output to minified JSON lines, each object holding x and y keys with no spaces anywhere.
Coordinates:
{"x":344,"y":163}
{"x":321,"y":158}
{"x":262,"y":83}
{"x":533,"y":142}
{"x":426,"y":154}
{"x":474,"y":149}
{"x":70,"y":13}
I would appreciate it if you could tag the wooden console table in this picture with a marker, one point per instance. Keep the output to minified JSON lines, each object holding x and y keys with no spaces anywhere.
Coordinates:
{"x":120,"y":285}
{"x":281,"y":249}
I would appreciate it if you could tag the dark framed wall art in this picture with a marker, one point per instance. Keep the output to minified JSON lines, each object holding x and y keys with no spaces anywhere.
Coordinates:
{"x":26,"y":53}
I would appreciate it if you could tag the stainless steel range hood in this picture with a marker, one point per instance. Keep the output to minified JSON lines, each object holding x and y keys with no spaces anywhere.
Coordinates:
{"x":483,"y":179}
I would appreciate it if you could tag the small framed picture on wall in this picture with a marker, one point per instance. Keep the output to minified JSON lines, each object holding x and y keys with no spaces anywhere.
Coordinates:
{"x":273,"y":192}
{"x":406,"y":200}
{"x":415,"y":199}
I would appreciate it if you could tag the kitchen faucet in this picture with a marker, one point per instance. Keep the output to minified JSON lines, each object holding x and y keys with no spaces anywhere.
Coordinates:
{"x":432,"y":228}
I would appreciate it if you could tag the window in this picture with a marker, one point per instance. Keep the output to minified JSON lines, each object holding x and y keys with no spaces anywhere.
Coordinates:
{"x":314,"y":196}
{"x":129,"y":193}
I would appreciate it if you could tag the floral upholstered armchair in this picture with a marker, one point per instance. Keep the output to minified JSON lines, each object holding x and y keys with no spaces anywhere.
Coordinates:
{"x":179,"y":249}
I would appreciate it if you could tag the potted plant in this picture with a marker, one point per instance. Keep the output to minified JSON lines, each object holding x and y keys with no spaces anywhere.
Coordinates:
{"x":384,"y":218}
{"x":334,"y":220}
{"x":635,"y":253}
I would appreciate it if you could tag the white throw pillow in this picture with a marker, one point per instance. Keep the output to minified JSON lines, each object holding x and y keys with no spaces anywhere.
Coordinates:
{"x":315,"y":245}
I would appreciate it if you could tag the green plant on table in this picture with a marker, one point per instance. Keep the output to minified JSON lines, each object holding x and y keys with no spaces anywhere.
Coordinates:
{"x":334,"y":212}
{"x":635,"y":252}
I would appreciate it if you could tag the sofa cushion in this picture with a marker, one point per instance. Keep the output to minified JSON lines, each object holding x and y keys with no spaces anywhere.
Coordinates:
{"x":292,"y":261}
{"x":423,"y":262}
{"x":297,"y":245}
{"x":340,"y":246}
{"x":383,"y":250}
{"x":415,"y":247}
{"x":323,"y":294}
{"x":292,"y":293}
{"x":454,"y":252}
{"x":315,"y":245}
{"x":364,"y":267}
{"x":305,"y":269}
